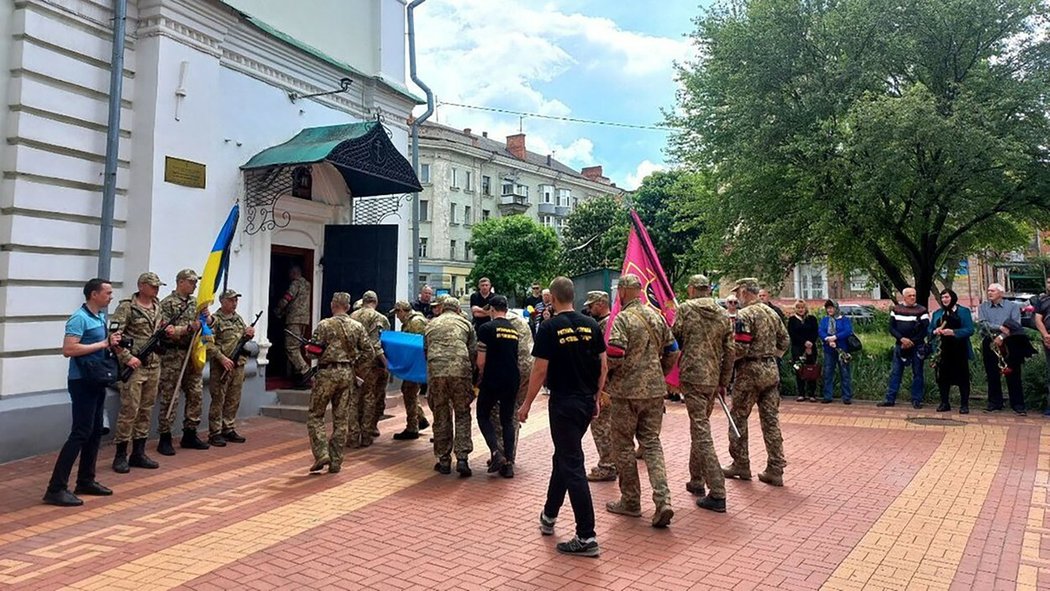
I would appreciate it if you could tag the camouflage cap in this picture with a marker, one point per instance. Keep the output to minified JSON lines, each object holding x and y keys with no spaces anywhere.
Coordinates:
{"x":150,"y":278}
{"x":748,"y":283}
{"x":698,"y":281}
{"x":229,"y":294}
{"x":596,"y":296}
{"x":401,"y":306}
{"x":357,"y":305}
{"x":630,"y":280}
{"x":342,"y":298}
{"x":188,"y":274}
{"x":450,"y":303}
{"x":369,"y":296}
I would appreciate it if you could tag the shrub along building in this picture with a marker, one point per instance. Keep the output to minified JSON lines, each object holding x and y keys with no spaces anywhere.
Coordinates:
{"x":213,"y":112}
{"x":469,"y":178}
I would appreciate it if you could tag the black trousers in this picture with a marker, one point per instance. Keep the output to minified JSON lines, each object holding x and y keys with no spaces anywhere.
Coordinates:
{"x":84,"y":437}
{"x":488,"y":398}
{"x":1014,"y":386}
{"x":569,"y":418}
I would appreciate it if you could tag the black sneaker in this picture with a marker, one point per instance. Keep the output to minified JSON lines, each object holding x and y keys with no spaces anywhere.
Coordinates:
{"x":507,"y":471}
{"x":463,"y":468}
{"x":62,"y":498}
{"x":93,"y":489}
{"x":847,"y":402}
{"x":944,"y":408}
{"x":916,"y":405}
{"x":577,"y":547}
{"x":496,"y":462}
{"x":546,"y":525}
{"x":217,"y":440}
{"x":406,"y":435}
{"x":232,"y":437}
{"x":712,"y":504}
{"x":964,"y":410}
{"x":886,"y":403}
{"x":826,"y":401}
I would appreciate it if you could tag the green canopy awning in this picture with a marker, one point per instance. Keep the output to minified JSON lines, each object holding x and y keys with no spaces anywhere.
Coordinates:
{"x":362,"y":152}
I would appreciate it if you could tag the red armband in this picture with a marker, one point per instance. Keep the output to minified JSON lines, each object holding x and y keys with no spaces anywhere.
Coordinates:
{"x":288,"y":297}
{"x":743,"y":337}
{"x":615,"y":351}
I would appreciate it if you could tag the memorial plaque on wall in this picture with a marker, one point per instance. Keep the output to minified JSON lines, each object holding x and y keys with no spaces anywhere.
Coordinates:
{"x":184,"y":172}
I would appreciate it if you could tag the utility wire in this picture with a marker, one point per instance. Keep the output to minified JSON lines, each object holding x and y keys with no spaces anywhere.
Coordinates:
{"x":556,"y":118}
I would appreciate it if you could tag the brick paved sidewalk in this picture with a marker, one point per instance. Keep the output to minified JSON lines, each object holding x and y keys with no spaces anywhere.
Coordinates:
{"x":873,"y":501}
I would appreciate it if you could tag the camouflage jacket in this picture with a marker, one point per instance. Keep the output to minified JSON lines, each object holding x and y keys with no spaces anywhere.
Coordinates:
{"x":374,"y":323}
{"x":295,"y":305}
{"x":416,"y":323}
{"x":638,"y":341}
{"x":227,"y":331}
{"x":138,"y":323}
{"x":346,"y":342}
{"x":524,"y":344}
{"x":705,"y":336}
{"x":170,"y":307}
{"x":759,"y":333}
{"x":450,"y":344}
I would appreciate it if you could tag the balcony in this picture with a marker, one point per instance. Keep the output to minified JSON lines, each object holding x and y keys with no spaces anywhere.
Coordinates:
{"x":513,"y":204}
{"x":562,"y":211}
{"x":545,"y":208}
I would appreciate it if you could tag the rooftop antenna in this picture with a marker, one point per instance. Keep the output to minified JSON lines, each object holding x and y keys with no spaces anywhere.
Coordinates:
{"x":521,"y":123}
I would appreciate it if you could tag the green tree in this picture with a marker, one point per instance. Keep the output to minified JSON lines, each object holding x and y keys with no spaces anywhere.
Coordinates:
{"x":892,"y":137}
{"x":513,"y":252}
{"x":595,"y":236}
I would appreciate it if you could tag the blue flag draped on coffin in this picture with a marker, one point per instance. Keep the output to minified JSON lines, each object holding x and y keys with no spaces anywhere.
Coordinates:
{"x":404,"y":355}
{"x":215,"y":269}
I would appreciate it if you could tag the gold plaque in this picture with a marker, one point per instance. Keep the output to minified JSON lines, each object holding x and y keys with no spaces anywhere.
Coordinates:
{"x":184,"y":172}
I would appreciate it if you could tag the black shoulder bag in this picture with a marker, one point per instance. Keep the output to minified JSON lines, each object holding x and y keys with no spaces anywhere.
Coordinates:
{"x":99,"y":371}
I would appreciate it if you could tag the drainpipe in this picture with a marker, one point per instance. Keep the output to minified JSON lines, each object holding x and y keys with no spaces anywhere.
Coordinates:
{"x":414,"y":283}
{"x":109,"y":186}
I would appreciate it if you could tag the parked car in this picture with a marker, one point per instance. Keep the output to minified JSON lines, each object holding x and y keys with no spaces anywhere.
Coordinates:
{"x":1027,"y":303}
{"x":859,"y":314}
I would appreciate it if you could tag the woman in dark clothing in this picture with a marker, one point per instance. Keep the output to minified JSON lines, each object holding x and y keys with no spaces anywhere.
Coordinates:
{"x":951,"y":328}
{"x":802,"y":330}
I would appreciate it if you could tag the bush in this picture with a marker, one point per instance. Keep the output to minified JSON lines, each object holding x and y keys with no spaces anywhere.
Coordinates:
{"x":871,"y":374}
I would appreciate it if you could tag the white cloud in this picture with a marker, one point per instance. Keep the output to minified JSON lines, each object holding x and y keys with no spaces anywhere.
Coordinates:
{"x":509,"y":53}
{"x":644,"y":169}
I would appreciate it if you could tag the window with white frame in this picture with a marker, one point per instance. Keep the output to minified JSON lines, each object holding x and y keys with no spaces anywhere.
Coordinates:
{"x":547,"y":220}
{"x":452,"y":213}
{"x":564,"y":197}
{"x":455,"y":178}
{"x":521,"y":190}
{"x":467,"y":218}
{"x":452,"y":249}
{"x":811,"y":282}
{"x":508,"y":187}
{"x":423,"y":248}
{"x":424,"y":210}
{"x":486,"y":185}
{"x":547,"y":193}
{"x":859,"y":281}
{"x":424,"y":173}
{"x":468,"y":181}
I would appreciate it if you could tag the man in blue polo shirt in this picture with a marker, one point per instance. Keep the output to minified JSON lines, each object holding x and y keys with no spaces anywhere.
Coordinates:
{"x":85,"y":339}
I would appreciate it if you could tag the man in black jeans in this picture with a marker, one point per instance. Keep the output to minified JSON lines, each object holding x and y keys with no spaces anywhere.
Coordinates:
{"x":498,"y":383}
{"x":85,"y":339}
{"x":570,"y":357}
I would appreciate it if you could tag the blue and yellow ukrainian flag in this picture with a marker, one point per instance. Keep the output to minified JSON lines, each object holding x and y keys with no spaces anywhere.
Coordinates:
{"x":215,"y":269}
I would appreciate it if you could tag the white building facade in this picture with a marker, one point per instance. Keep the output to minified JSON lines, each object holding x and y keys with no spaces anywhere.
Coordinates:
{"x":208,"y":83}
{"x":469,"y":178}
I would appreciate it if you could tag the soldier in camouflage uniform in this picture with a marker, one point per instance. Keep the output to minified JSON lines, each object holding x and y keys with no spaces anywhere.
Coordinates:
{"x":641,"y":351}
{"x":524,"y":370}
{"x":760,"y":339}
{"x":227,"y":375}
{"x":706,"y":339}
{"x":294,"y":307}
{"x":136,"y":317}
{"x":371,"y":403}
{"x":412,"y":322}
{"x":180,"y":303}
{"x":347,"y":349}
{"x":597,"y":306}
{"x":450,"y":346}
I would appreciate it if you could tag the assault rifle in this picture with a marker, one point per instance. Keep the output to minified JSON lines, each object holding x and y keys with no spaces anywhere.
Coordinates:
{"x":311,"y":347}
{"x":152,"y":345}
{"x":239,"y":351}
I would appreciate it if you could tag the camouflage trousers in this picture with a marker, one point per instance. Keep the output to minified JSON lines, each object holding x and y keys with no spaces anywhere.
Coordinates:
{"x":333,"y":385}
{"x":293,"y":348}
{"x":601,"y":431}
{"x":137,"y":396}
{"x":642,"y":418}
{"x":757,"y":382}
{"x":703,"y":461}
{"x":523,"y":389}
{"x":225,"y":398}
{"x":413,"y":407}
{"x":368,"y":405}
{"x":192,"y":386}
{"x":451,"y":397}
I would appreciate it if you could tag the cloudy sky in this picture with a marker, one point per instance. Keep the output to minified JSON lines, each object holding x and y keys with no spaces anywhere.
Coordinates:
{"x":608,"y":60}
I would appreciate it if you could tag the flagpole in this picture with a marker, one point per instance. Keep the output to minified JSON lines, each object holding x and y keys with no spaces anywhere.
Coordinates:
{"x":178,"y":383}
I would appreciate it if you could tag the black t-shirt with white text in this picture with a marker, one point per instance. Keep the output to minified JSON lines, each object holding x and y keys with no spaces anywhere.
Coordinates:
{"x":499,"y":341}
{"x":572,"y":344}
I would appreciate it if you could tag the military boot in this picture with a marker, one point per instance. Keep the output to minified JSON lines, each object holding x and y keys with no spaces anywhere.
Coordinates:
{"x":712,"y":504}
{"x":734,"y":471}
{"x":771,"y":477}
{"x":190,"y":440}
{"x":164,"y":447}
{"x":138,"y":458}
{"x":463,"y":468}
{"x":120,"y":460}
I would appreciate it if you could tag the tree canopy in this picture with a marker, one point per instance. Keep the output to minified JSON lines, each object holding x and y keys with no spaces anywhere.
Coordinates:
{"x":513,"y":252}
{"x":595,"y":236}
{"x":891,"y":137}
